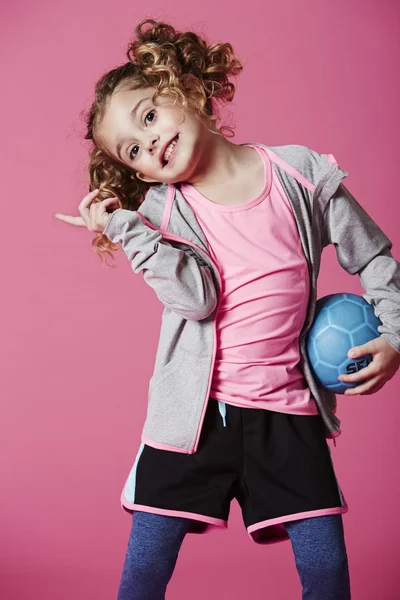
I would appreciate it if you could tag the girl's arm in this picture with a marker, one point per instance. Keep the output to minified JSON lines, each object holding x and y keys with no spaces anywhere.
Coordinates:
{"x":180,"y":280}
{"x":363,"y":248}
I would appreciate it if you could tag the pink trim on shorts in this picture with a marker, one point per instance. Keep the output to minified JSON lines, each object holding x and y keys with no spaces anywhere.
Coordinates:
{"x":304,"y":515}
{"x":211,"y":521}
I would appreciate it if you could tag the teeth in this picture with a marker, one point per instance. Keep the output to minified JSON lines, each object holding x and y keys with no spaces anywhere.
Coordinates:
{"x":168,"y":151}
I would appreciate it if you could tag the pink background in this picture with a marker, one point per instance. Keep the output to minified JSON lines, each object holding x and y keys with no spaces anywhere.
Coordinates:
{"x":79,"y":338}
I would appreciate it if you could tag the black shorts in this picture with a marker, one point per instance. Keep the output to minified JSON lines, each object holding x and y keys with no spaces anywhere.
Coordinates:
{"x":278,"y":466}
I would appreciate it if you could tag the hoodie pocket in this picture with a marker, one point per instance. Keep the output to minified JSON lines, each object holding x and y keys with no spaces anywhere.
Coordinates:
{"x":166,"y":370}
{"x":176,"y":401}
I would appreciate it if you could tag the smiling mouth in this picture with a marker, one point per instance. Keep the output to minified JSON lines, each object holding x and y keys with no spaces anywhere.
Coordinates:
{"x":169,"y":150}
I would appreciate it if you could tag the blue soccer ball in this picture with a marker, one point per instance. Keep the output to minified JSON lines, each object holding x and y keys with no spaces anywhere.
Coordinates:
{"x":341,"y":322}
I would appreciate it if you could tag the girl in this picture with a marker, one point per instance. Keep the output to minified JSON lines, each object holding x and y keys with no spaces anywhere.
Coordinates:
{"x":230,"y":238}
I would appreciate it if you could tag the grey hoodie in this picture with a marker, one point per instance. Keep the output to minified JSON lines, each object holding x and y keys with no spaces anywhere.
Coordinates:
{"x":164,"y":240}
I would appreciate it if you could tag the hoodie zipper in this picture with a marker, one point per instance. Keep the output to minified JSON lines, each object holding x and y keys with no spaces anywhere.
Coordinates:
{"x":205,"y":402}
{"x":177,"y":238}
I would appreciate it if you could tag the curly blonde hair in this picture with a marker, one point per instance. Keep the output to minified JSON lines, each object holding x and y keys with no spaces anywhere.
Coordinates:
{"x":175,"y":63}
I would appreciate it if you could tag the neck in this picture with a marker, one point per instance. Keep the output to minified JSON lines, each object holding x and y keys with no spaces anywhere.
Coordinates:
{"x":219,"y":161}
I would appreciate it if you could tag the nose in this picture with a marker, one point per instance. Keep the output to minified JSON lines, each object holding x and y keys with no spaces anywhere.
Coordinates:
{"x":152,"y":140}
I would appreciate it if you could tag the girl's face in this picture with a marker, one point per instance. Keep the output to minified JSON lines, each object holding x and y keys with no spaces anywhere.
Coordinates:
{"x":137,"y":133}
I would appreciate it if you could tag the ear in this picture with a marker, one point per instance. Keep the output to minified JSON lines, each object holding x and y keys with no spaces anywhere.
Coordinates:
{"x":146,"y":179}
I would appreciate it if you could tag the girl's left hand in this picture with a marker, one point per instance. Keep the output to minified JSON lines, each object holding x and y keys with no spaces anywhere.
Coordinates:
{"x":94,"y":215}
{"x":384,"y":364}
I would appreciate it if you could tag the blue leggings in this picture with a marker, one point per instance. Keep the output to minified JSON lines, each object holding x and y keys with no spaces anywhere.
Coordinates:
{"x":155,"y":540}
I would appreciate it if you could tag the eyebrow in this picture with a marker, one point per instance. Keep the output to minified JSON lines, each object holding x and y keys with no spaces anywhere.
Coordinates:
{"x":121,"y":141}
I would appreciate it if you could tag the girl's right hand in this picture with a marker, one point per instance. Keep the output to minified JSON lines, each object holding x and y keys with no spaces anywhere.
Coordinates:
{"x":94,"y":215}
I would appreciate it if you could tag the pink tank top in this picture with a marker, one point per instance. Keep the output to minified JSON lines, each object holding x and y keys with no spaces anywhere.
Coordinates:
{"x":265,"y":290}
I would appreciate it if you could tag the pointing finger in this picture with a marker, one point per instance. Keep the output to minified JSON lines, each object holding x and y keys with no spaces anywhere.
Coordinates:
{"x":71,"y":219}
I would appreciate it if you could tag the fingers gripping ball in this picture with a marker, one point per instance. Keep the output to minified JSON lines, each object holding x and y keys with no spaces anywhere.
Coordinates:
{"x":341,"y":322}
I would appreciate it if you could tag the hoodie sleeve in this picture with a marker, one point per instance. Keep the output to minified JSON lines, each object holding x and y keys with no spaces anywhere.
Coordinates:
{"x":180,"y":280}
{"x":363,"y":248}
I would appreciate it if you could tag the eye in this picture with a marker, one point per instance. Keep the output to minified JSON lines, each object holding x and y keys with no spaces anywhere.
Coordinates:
{"x":148,"y":114}
{"x":130,"y":153}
